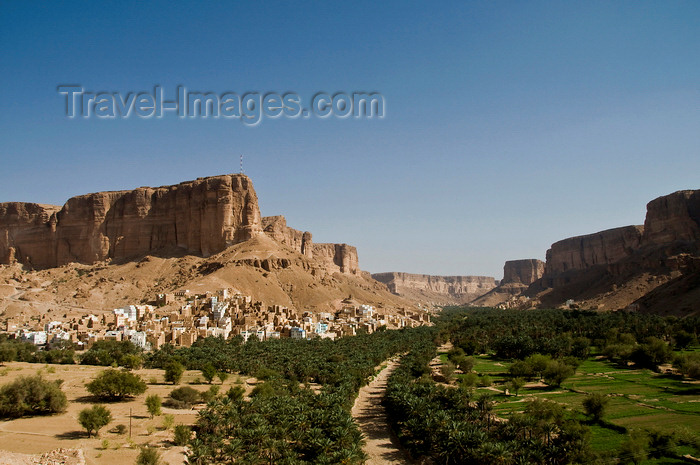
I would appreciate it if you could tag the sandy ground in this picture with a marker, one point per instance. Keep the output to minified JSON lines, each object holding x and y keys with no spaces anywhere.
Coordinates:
{"x":39,"y":435}
{"x":382,"y":446}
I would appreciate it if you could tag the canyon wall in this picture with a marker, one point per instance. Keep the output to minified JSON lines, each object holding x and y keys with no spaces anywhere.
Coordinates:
{"x":601,"y":248}
{"x":334,"y":258}
{"x":202,"y":217}
{"x":447,"y":289}
{"x":615,"y":268}
{"x":276,"y":227}
{"x":673,"y":218}
{"x":525,"y":271}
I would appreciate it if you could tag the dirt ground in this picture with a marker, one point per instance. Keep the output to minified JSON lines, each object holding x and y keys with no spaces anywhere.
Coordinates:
{"x":42,"y":434}
{"x":381,"y":445}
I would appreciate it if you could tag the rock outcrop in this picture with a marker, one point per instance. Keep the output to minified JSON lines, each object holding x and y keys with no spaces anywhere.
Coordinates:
{"x":673,"y":218}
{"x":525,"y":271}
{"x":202,"y":217}
{"x":517,"y":276}
{"x":334,"y":258}
{"x":601,"y":248}
{"x":276,"y":227}
{"x":337,"y":257}
{"x":618,"y":267}
{"x":437,"y":289}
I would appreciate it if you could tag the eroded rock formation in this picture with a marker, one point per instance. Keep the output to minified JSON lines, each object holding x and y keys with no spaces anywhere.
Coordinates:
{"x":617,"y":267}
{"x":446,"y":289}
{"x":202,"y":217}
{"x":525,"y":271}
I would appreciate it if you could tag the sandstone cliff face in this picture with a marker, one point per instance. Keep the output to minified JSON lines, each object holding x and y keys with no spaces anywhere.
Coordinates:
{"x":452,"y":289}
{"x":615,"y":268}
{"x":673,"y":218}
{"x":276,"y":227}
{"x":202,"y":217}
{"x":340,"y":258}
{"x":525,"y":271}
{"x":334,"y":258}
{"x":25,"y":231}
{"x":602,"y":248}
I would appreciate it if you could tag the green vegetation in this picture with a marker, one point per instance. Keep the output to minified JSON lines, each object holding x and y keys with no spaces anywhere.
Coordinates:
{"x":153,"y":405}
{"x":174,"y":371}
{"x":31,"y":395}
{"x":94,"y":418}
{"x":113,"y":353}
{"x":148,"y":456}
{"x":114,"y":384}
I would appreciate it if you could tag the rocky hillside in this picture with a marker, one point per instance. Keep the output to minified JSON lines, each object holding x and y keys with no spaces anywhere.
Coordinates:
{"x":104,"y":250}
{"x":653,"y":268}
{"x":438,"y":290}
{"x":517,"y":277}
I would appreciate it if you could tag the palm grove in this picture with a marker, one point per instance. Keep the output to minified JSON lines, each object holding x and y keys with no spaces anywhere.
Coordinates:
{"x":299,"y":412}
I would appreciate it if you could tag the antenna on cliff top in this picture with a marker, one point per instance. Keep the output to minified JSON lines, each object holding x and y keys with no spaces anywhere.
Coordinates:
{"x":241,"y":163}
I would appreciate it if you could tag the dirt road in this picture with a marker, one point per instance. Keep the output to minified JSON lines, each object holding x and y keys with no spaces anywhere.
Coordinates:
{"x":381,"y":446}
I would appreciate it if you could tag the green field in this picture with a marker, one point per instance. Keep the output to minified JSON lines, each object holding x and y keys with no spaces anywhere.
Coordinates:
{"x":638,"y":399}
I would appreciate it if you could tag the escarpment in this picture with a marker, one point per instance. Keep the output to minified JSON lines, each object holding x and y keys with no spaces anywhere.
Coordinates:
{"x":440,"y":289}
{"x":617,"y":267}
{"x":201,"y":217}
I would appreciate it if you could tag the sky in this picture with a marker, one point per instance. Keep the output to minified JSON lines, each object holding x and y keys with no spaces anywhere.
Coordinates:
{"x":507,"y":126}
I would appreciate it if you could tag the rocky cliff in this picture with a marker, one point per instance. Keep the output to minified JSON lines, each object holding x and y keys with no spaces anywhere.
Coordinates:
{"x":437,"y":289}
{"x":335,"y":258}
{"x":276,"y":227}
{"x":601,"y":248}
{"x":201,"y":217}
{"x":525,"y":271}
{"x":618,"y":267}
{"x":673,"y":218}
{"x":517,"y":276}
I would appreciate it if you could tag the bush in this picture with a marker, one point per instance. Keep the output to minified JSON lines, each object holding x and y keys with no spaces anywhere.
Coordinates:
{"x":173,"y":372}
{"x":556,"y":372}
{"x":95,"y":418}
{"x":688,"y":364}
{"x":120,"y":429}
{"x":110,"y":353}
{"x":184,"y":397}
{"x":594,"y":406}
{"x":182,"y":436}
{"x":235,"y":393}
{"x":223,"y":376}
{"x":114,"y":384}
{"x":153,"y":404}
{"x":209,"y":372}
{"x":31,"y":395}
{"x":210,"y":394}
{"x":148,"y":456}
{"x":168,"y":421}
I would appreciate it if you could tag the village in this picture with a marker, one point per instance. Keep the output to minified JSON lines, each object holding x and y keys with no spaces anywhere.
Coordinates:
{"x":182,"y":317}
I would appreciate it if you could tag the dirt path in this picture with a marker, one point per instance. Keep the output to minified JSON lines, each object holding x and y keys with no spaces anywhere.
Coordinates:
{"x":381,"y":446}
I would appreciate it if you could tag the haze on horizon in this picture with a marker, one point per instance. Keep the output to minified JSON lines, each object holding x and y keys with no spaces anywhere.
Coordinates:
{"x":508,"y":126}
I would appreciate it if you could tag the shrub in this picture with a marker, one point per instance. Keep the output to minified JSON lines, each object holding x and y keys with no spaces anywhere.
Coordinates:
{"x":210,"y":394}
{"x":235,"y":393}
{"x":556,"y":372}
{"x":485,"y":381}
{"x":114,"y":384}
{"x":31,"y":395}
{"x":594,"y":405}
{"x":173,"y":372}
{"x":94,"y":418}
{"x":182,"y":436}
{"x":168,"y":421}
{"x":120,"y":429}
{"x":148,"y":456}
{"x":153,"y":404}
{"x":184,"y":397}
{"x":223,"y":376}
{"x":209,"y":372}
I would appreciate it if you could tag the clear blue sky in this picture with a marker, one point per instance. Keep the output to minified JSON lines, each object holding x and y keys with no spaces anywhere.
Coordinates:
{"x":509,"y":125}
